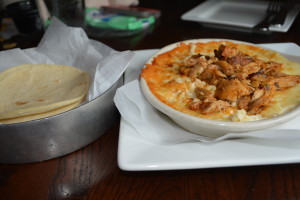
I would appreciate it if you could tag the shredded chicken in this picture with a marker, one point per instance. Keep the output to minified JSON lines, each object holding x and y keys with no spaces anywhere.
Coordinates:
{"x":204,"y":95}
{"x":210,"y":107}
{"x":241,"y":80}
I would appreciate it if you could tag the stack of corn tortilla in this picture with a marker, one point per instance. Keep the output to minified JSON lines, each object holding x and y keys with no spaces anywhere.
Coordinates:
{"x":34,"y":91}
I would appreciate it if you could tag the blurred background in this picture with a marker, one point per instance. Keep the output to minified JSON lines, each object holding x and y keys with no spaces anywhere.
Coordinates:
{"x":123,"y":24}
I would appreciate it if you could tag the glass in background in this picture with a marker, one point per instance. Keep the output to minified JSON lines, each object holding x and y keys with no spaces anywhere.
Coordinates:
{"x":25,"y":16}
{"x":71,"y":12}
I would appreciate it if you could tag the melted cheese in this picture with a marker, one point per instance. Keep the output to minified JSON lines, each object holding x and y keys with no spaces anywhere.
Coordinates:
{"x":177,"y":91}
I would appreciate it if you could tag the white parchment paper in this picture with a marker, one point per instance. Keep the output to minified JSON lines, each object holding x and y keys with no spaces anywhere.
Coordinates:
{"x":156,"y":127}
{"x":63,"y":45}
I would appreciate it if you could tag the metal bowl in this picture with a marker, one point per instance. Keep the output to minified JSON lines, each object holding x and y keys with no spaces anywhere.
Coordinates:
{"x":58,"y":135}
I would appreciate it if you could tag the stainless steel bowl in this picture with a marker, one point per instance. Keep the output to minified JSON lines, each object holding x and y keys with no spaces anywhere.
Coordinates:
{"x":51,"y":137}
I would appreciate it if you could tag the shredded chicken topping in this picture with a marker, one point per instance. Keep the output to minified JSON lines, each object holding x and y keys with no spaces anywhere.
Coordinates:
{"x":246,"y":82}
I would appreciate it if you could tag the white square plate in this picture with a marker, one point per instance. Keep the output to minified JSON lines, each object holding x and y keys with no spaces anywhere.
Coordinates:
{"x":137,"y":154}
{"x":235,"y":13}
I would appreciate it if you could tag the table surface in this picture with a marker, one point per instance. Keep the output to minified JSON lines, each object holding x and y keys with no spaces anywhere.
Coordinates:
{"x":93,"y":173}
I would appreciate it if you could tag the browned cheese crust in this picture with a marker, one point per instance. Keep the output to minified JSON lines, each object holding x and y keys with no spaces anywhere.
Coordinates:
{"x":215,"y":79}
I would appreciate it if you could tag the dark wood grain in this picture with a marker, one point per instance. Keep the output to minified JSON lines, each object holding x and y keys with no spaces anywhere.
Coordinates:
{"x":92,"y":172}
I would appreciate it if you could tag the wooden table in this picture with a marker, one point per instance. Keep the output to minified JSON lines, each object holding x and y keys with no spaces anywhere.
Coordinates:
{"x":92,"y":172}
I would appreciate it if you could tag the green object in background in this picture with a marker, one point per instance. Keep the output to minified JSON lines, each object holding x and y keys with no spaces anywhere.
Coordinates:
{"x":124,"y":23}
{"x":47,"y":22}
{"x":96,"y":18}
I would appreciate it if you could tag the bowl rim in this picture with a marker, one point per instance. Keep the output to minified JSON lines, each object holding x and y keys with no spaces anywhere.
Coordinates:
{"x":171,"y":112}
